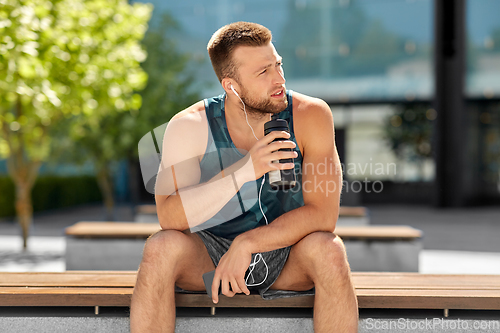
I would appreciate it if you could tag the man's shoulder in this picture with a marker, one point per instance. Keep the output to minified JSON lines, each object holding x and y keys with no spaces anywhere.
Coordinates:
{"x":188,"y":121}
{"x":309,"y":108}
{"x":188,"y":129}
{"x":192,"y":113}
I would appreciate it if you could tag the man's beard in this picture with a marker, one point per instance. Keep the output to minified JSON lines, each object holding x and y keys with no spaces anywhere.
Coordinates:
{"x":263,"y":106}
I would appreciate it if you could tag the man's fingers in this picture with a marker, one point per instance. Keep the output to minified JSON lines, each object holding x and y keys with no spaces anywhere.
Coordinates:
{"x":285,"y":144}
{"x":267,"y":139}
{"x":243,"y":286}
{"x":282,"y":155}
{"x":234,"y":286}
{"x":215,"y":290}
{"x":282,"y":160}
{"x":225,"y":289}
{"x":281,"y":166}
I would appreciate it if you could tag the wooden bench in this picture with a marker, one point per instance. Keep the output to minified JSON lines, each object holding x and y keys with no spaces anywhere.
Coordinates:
{"x":348,"y":211}
{"x":374,"y":290}
{"x":118,"y":246}
{"x":348,"y":215}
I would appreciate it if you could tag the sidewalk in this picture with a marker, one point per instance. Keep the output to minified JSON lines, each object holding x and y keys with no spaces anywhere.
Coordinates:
{"x":462,"y":229}
{"x":46,"y":244}
{"x":458,"y":241}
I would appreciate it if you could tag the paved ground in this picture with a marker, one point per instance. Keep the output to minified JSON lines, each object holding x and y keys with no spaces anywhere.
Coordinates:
{"x":472,"y":229}
{"x":52,"y":223}
{"x":455,"y":240}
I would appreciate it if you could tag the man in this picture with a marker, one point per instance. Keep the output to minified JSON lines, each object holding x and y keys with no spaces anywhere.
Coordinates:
{"x":292,"y":230}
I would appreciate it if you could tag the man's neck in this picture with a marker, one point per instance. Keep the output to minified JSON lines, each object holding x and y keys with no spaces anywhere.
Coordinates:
{"x":237,"y":120}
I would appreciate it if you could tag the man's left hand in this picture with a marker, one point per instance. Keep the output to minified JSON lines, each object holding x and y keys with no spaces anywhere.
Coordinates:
{"x":231,"y":271}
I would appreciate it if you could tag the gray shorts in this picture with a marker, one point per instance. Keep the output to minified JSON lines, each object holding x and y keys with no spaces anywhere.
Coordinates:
{"x":275,"y":260}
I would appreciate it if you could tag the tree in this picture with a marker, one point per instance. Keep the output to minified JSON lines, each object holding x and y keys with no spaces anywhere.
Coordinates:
{"x":58,"y":59}
{"x":169,"y":90}
{"x":408,"y":133}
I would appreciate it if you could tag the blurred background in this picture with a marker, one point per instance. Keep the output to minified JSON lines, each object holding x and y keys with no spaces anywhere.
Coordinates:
{"x":413,"y":85}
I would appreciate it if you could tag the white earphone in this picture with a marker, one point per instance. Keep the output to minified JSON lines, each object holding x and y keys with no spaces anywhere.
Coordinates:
{"x":234,"y":91}
{"x":258,"y":257}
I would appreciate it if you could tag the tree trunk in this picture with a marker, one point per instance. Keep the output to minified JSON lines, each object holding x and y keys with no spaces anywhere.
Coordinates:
{"x":23,"y":172}
{"x":24,"y":210}
{"x":106,"y":185}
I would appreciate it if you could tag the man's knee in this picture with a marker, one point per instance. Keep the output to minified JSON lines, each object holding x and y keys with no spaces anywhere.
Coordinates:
{"x":326,"y":252}
{"x":163,"y":246}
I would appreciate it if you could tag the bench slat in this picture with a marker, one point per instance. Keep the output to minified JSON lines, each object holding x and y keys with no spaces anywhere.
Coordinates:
{"x":352,"y":211}
{"x":144,"y":230}
{"x":385,"y":280}
{"x":374,"y":290}
{"x":72,"y":296}
{"x":378,"y":232}
{"x":348,"y":211}
{"x":69,"y":279}
{"x":146,"y":209}
{"x":112,"y":229}
{"x":367,"y":298}
{"x":429,"y":299}
{"x":362,"y":280}
{"x":75,"y":296}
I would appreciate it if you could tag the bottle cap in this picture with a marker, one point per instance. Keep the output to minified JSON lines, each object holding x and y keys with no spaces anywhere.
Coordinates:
{"x":276,"y":125}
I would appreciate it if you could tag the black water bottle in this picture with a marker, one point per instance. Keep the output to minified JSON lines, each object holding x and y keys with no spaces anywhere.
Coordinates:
{"x":280,"y":179}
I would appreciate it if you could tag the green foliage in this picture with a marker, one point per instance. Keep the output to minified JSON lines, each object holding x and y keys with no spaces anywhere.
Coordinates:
{"x":59,"y":59}
{"x":166,"y":93}
{"x":408,"y":132}
{"x":51,"y":192}
{"x":66,"y":57}
{"x":170,"y":84}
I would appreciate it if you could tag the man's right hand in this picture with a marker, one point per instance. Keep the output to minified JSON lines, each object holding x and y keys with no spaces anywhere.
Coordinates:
{"x":259,"y":159}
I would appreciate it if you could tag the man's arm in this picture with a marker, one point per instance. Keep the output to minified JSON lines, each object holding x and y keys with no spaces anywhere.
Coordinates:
{"x":321,"y":186}
{"x":182,"y":202}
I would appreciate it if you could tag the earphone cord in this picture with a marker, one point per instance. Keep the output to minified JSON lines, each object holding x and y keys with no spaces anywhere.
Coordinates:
{"x":258,"y":255}
{"x":246,"y":116}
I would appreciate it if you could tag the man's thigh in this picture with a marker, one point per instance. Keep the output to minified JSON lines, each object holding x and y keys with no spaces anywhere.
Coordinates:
{"x":194,"y":262}
{"x":294,"y":275}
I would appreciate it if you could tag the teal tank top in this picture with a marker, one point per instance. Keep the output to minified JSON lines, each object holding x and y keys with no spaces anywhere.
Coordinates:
{"x":242,"y":212}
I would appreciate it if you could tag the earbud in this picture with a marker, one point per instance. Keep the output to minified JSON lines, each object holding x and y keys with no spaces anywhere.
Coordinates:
{"x":234,"y":91}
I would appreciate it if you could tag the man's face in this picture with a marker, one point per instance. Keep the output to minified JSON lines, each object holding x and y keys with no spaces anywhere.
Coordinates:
{"x":261,"y":78}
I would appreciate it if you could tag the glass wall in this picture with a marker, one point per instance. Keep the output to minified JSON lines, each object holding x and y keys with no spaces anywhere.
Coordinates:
{"x":483,"y":151}
{"x":357,"y":52}
{"x":483,"y":49}
{"x":483,"y":87}
{"x":387,"y":142}
{"x":338,"y":50}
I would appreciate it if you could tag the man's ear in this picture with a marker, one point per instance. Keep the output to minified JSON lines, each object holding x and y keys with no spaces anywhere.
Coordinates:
{"x":226,"y":85}
{"x":230,"y":86}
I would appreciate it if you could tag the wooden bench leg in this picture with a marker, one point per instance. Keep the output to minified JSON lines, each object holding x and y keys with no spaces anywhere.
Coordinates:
{"x":96,"y":309}
{"x":212,"y":310}
{"x":446,"y":313}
